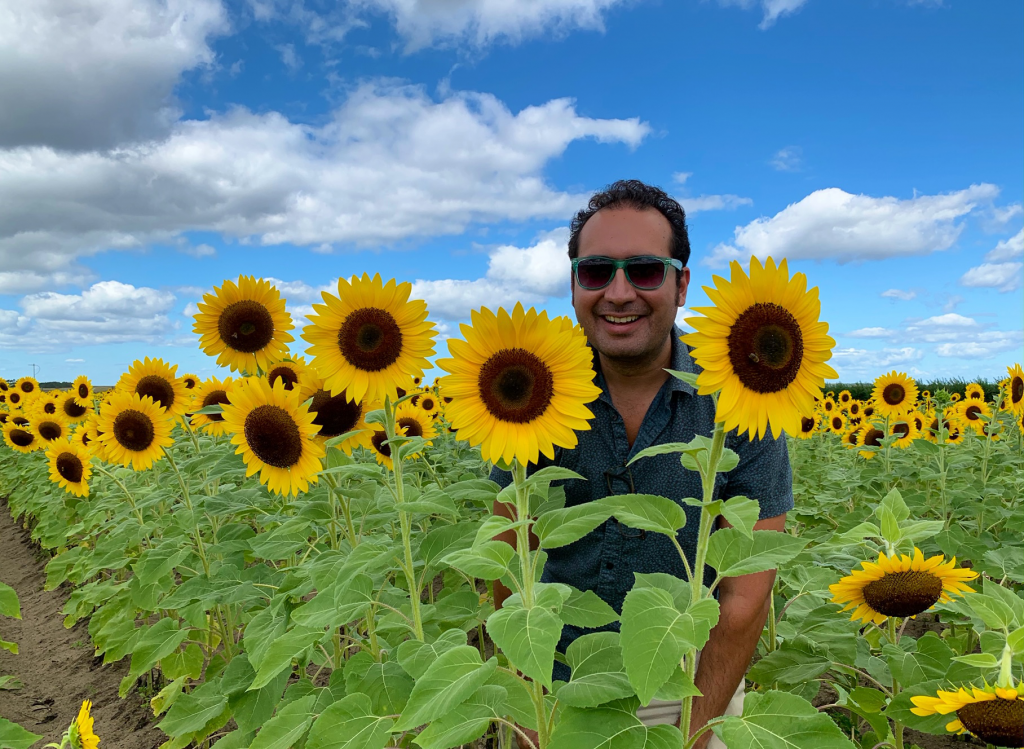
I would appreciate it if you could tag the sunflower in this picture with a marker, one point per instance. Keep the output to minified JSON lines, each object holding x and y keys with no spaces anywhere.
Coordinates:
{"x":905,"y":430}
{"x":1015,"y":389}
{"x":520,"y":383}
{"x":69,"y":466}
{"x":274,"y":433}
{"x":133,"y":429}
{"x":212,"y":391}
{"x":867,"y":410}
{"x":68,"y":405}
{"x":82,"y":390}
{"x":413,"y":421}
{"x":335,"y":415}
{"x":377,"y":444}
{"x":808,"y":426}
{"x":4,"y":387}
{"x":852,"y":435}
{"x":919,"y":420}
{"x":894,"y":394}
{"x":828,"y":405}
{"x":245,"y":324}
{"x":954,"y":397}
{"x":44,"y":404}
{"x":157,"y":379}
{"x":900,"y":586}
{"x":4,"y":416}
{"x":854,"y":408}
{"x":763,"y":347}
{"x":975,"y":392}
{"x":293,"y":372}
{"x":190,"y":381}
{"x":869,"y":436}
{"x":83,"y":727}
{"x":836,"y":423}
{"x":417,"y":381}
{"x":20,"y":437}
{"x":15,"y":398}
{"x":20,"y":419}
{"x":429,"y":404}
{"x":80,"y":437}
{"x":27,"y":386}
{"x":50,"y":428}
{"x":994,"y":714}
{"x":371,"y":340}
{"x":971,"y":411}
{"x":845,"y":396}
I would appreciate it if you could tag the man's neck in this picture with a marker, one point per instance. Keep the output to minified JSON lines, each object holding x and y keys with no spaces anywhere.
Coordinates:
{"x":621,"y":375}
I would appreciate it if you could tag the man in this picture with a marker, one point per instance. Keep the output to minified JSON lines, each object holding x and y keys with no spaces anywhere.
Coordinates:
{"x":628,"y":314}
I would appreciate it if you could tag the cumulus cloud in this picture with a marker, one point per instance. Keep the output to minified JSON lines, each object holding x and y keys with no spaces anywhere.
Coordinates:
{"x":713,"y":203}
{"x":392,"y":163}
{"x":853,"y":362}
{"x":83,"y":74}
{"x":835,"y":224}
{"x":1003,"y":267}
{"x":953,"y":334}
{"x":900,"y":294}
{"x":788,"y":159}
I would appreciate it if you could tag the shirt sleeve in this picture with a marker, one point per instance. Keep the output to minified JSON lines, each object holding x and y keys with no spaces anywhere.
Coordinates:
{"x":763,"y":473}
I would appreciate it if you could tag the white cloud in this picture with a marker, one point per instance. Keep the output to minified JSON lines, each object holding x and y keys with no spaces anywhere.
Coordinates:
{"x":851,"y":362}
{"x":905,"y":296}
{"x":985,"y":345}
{"x":300,"y":292}
{"x":870,"y":333}
{"x":1008,"y":249}
{"x":289,"y":57}
{"x":681,"y":316}
{"x":832,"y":223}
{"x":74,"y":361}
{"x":680,"y":177}
{"x":713,"y":203}
{"x":772,"y":9}
{"x":25,"y":282}
{"x":788,"y":159}
{"x":1002,"y":268}
{"x":391,"y":164}
{"x":955,"y":335}
{"x":83,"y":74}
{"x":197,"y":250}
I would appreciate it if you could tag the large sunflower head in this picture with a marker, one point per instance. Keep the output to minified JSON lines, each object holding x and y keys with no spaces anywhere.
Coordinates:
{"x":69,"y":466}
{"x":210,"y":392}
{"x":520,"y":384}
{"x":22,"y":438}
{"x":294,"y":373}
{"x":763,"y":347}
{"x":1015,"y":389}
{"x":975,"y":392}
{"x":808,"y":426}
{"x":900,"y":586}
{"x":371,"y":340}
{"x":994,"y":714}
{"x":156,"y":379}
{"x":69,"y":407}
{"x":970,"y":412}
{"x":244,"y":324}
{"x":27,"y":386}
{"x":81,"y":388}
{"x":894,"y":394}
{"x":335,"y":415}
{"x":50,"y":428}
{"x":133,"y":429}
{"x":274,"y":433}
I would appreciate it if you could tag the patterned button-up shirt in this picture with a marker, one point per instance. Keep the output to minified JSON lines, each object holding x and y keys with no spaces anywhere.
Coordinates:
{"x":605,"y":559}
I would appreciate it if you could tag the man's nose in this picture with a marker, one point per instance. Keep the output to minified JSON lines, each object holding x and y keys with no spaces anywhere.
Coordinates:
{"x":620,"y":290}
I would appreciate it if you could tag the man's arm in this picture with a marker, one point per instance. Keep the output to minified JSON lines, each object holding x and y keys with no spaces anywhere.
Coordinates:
{"x":744,"y":602}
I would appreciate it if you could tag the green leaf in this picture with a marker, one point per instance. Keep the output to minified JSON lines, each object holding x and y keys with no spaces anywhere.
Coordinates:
{"x":9,"y":605}
{"x":252,"y":709}
{"x":665,"y":448}
{"x":13,"y":736}
{"x":584,"y":608}
{"x":285,"y":729}
{"x":797,"y":661}
{"x":282,"y":652}
{"x":518,"y":700}
{"x":689,"y":378}
{"x":742,"y":513}
{"x":448,"y":682}
{"x":528,"y":637}
{"x":466,"y":723}
{"x":678,"y":687}
{"x":991,"y":609}
{"x":415,"y":656}
{"x":647,"y":512}
{"x":156,"y":643}
{"x":11,"y":647}
{"x":445,"y":539}
{"x":727,"y":461}
{"x":350,"y":724}
{"x":187,"y":662}
{"x":598,"y":675}
{"x":386,"y":684}
{"x":193,"y":710}
{"x":732,"y":553}
{"x":561,"y":527}
{"x":552,"y":473}
{"x":780,"y":720}
{"x":487,"y":561}
{"x":978,"y":660}
{"x":612,"y":726}
{"x":1013,"y":602}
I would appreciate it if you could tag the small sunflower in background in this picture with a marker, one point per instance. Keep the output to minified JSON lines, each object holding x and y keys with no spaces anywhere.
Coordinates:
{"x":413,"y":421}
{"x":294,"y":373}
{"x":4,"y":416}
{"x":853,"y":409}
{"x":970,"y":413}
{"x":808,"y":426}
{"x":994,"y":714}
{"x":828,"y":406}
{"x":370,"y":340}
{"x":43,"y":403}
{"x":244,"y":324}
{"x":274,"y":433}
{"x":417,"y":381}
{"x":378,"y":445}
{"x":69,"y":407}
{"x":82,"y":389}
{"x":845,"y":396}
{"x":905,"y":431}
{"x":836,"y":422}
{"x":1015,"y":389}
{"x":335,"y":415}
{"x":190,"y":381}
{"x":869,"y":436}
{"x":80,"y":437}
{"x":132,"y":430}
{"x":158,"y":380}
{"x":21,"y":438}
{"x":954,"y":397}
{"x":429,"y":404}
{"x":210,"y":392}
{"x":15,"y":398}
{"x":867,"y":410}
{"x":851,"y":437}
{"x":894,"y":394}
{"x":900,"y":586}
{"x":919,"y":420}
{"x":50,"y":428}
{"x":27,"y":386}
{"x":69,"y":466}
{"x":974,"y":392}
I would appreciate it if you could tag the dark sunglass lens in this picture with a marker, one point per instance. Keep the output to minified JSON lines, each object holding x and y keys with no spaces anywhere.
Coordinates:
{"x":593,"y":274}
{"x":646,"y":274}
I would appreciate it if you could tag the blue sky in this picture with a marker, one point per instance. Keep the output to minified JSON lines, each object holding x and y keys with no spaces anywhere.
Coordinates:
{"x":149,"y":149}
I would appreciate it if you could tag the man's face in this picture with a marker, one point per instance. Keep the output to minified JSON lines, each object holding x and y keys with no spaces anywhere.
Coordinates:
{"x":649,"y":315}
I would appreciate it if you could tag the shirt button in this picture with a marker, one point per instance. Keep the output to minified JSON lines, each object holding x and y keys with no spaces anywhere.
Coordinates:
{"x":609,"y":566}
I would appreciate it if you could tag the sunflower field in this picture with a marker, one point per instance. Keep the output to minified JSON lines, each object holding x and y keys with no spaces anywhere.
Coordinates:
{"x":304,"y":554}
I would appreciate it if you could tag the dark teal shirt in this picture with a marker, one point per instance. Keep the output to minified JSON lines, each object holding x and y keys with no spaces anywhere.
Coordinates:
{"x":604,"y":560}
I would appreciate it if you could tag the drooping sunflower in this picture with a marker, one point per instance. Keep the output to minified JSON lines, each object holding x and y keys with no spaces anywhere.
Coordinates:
{"x":133,"y":429}
{"x":895,"y":394}
{"x":294,"y":373}
{"x":335,"y":415}
{"x":21,"y":438}
{"x":50,"y":428}
{"x":836,"y":423}
{"x":905,"y":430}
{"x":210,"y":392}
{"x":190,"y":380}
{"x":975,"y":392}
{"x":82,"y":390}
{"x":274,"y":433}
{"x":87,"y":739}
{"x":992,"y":713}
{"x":1015,"y":389}
{"x":27,"y":386}
{"x":69,"y":407}
{"x":852,"y":436}
{"x":845,"y":396}
{"x":371,"y":340}
{"x":869,"y":436}
{"x":900,"y":585}
{"x":69,"y":466}
{"x":158,"y":380}
{"x":762,"y":346}
{"x":520,"y":384}
{"x":244,"y":324}
{"x":808,"y":426}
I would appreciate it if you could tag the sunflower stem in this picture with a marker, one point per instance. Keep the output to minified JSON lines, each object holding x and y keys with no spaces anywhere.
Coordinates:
{"x":897,"y":733}
{"x":200,"y":546}
{"x":127,"y":494}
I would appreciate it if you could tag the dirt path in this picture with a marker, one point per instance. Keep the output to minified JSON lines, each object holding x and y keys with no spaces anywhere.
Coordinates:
{"x":56,"y":666}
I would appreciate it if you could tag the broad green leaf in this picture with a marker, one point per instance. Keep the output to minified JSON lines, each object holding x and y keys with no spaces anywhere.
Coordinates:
{"x":562,"y":527}
{"x":466,"y":723}
{"x":732,"y":553}
{"x":612,"y":726}
{"x":13,"y":736}
{"x":337,"y":605}
{"x":1013,"y":602}
{"x":487,"y":561}
{"x":728,"y":461}
{"x":350,"y":724}
{"x":528,"y":637}
{"x":647,"y":512}
{"x":584,"y":608}
{"x":665,"y":448}
{"x":9,"y":605}
{"x":264,"y":629}
{"x":780,"y":720}
{"x":187,"y":662}
{"x":978,"y":660}
{"x":252,"y":709}
{"x":552,"y":473}
{"x":598,"y":675}
{"x":797,"y":661}
{"x":287,"y":727}
{"x":156,"y":643}
{"x":445,"y":539}
{"x":518,"y":701}
{"x":282,"y":652}
{"x":447,"y":683}
{"x":679,"y":686}
{"x":415,"y":656}
{"x":900,"y":708}
{"x":193,"y":710}
{"x":386,"y":684}
{"x":742,"y":513}
{"x":991,"y":609}
{"x":11,"y":647}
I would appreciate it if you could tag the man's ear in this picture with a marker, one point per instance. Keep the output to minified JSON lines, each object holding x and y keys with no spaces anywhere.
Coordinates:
{"x":684,"y":284}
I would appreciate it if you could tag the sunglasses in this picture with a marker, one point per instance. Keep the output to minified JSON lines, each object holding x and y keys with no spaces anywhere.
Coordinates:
{"x":645,"y":272}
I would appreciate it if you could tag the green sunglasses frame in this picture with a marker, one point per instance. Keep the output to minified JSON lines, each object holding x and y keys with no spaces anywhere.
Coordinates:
{"x":624,"y":265}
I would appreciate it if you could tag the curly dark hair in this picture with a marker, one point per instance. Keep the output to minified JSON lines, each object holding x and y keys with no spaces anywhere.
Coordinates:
{"x":633,"y":193}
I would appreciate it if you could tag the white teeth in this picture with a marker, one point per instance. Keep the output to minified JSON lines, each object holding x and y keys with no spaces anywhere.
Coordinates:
{"x":621,"y":320}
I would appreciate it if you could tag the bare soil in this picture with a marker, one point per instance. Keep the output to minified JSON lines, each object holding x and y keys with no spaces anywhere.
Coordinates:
{"x":55,"y":665}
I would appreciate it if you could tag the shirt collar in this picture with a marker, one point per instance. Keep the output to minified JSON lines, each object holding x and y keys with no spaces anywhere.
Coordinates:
{"x":680,"y":360}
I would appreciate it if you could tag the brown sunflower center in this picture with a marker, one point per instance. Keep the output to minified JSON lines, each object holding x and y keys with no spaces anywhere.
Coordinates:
{"x":3,"y":417}
{"x":189,"y":383}
{"x":854,"y":409}
{"x":999,"y":722}
{"x":21,"y":438}
{"x":851,"y":438}
{"x":412,"y":427}
{"x":83,"y":391}
{"x":74,"y":410}
{"x":901,"y":428}
{"x":516,"y":385}
{"x":273,"y":436}
{"x":837,"y":423}
{"x":377,"y":440}
{"x":894,"y":394}
{"x":133,"y":430}
{"x":766,"y":347}
{"x":157,"y":388}
{"x":15,"y":398}
{"x":50,"y":430}
{"x":286,"y":374}
{"x":972,"y":412}
{"x":28,"y":387}
{"x":215,"y":397}
{"x":334,"y":415}
{"x":428,"y":404}
{"x":370,"y":339}
{"x":903,"y":593}
{"x":50,"y":408}
{"x":70,"y":468}
{"x":1016,"y":390}
{"x":873,"y":437}
{"x":806,"y":425}
{"x":869,"y":411}
{"x":246,"y":326}
{"x":19,"y":420}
